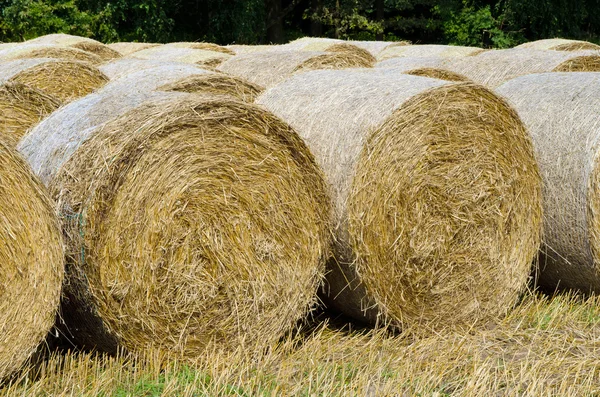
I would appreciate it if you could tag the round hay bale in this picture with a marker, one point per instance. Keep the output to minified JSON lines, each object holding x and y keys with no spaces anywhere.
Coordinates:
{"x":361,"y":53}
{"x":560,"y":45}
{"x":128,"y":48}
{"x":403,"y":64}
{"x":65,"y":80}
{"x":184,"y":55}
{"x":22,"y":107}
{"x":31,"y":253}
{"x":437,"y":74}
{"x":493,"y":68}
{"x":61,"y":134}
{"x":202,"y":46}
{"x":207,"y":228}
{"x":436,"y":191}
{"x":560,"y":111}
{"x":126,"y":66}
{"x":82,"y":43}
{"x":245,"y":49}
{"x":328,"y":45}
{"x":217,"y":84}
{"x":48,"y":51}
{"x":428,"y":50}
{"x":272,"y":67}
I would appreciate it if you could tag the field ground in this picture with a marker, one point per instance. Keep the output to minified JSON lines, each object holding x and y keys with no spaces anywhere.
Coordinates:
{"x":545,"y":347}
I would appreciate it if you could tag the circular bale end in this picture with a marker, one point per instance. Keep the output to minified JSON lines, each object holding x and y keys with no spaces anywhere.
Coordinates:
{"x":103,"y":51}
{"x":203,"y":46}
{"x":218,"y":84}
{"x":65,"y":80}
{"x":31,"y":254}
{"x":586,"y":63}
{"x":577,"y":46}
{"x":127,"y":48}
{"x":336,"y":60}
{"x":21,"y":107}
{"x":207,"y":228}
{"x":56,"y":52}
{"x":436,"y":73}
{"x":445,"y":210}
{"x":346,"y":48}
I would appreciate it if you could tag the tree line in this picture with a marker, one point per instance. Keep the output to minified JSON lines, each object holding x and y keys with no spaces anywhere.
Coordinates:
{"x":485,"y":23}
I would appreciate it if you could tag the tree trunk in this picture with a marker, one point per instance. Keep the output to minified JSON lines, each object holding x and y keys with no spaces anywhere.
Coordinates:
{"x":316,"y":26}
{"x":274,"y":21}
{"x":379,"y":16}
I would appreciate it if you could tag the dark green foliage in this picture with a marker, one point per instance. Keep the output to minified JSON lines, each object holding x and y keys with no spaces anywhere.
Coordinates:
{"x":487,"y":23}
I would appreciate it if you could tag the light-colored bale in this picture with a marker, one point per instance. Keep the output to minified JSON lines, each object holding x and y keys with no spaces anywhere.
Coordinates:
{"x":216,"y":84}
{"x":31,"y":254}
{"x":127,"y":48}
{"x":61,"y":134}
{"x":402,"y":64}
{"x":560,"y":45}
{"x":202,"y":46}
{"x":22,"y":107}
{"x":26,"y":51}
{"x":65,"y":80}
{"x":436,"y":73}
{"x":125,"y":66}
{"x":245,"y":49}
{"x":493,"y":68}
{"x":437,"y":194}
{"x":184,"y":55}
{"x":270,"y":68}
{"x":191,"y":224}
{"x":83,"y":43}
{"x":326,"y":44}
{"x":561,"y":111}
{"x":428,"y":50}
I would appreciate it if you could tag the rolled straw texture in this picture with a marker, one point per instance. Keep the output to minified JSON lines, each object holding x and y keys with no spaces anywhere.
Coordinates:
{"x":437,"y":194}
{"x":31,"y":253}
{"x":185,"y":55}
{"x":82,"y":43}
{"x":191,"y":224}
{"x":202,"y":46}
{"x":428,"y":50}
{"x":493,"y":68}
{"x":53,"y":141}
{"x":22,"y":107}
{"x":25,"y":51}
{"x":65,"y":80}
{"x":324,"y":44}
{"x":127,"y":48}
{"x":270,"y":68}
{"x":560,"y":45}
{"x":560,"y":111}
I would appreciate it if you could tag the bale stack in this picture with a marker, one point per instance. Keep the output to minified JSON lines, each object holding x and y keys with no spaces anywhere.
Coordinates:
{"x":191,"y":224}
{"x":428,"y":50}
{"x":272,"y":67}
{"x":22,"y":107}
{"x":436,"y":190}
{"x":493,"y":68}
{"x":128,"y":48}
{"x":65,"y":80}
{"x":566,"y":140}
{"x":27,"y":51}
{"x":195,"y":56}
{"x":31,"y":254}
{"x":61,"y":134}
{"x":83,"y":43}
{"x":422,"y":66}
{"x":560,"y":45}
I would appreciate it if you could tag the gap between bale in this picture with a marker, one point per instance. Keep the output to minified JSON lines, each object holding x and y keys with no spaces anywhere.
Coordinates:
{"x":21,"y":107}
{"x":127,"y":48}
{"x":230,"y":255}
{"x":436,"y":73}
{"x":31,"y":254}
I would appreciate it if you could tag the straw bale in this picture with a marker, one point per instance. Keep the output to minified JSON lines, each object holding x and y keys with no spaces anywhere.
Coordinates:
{"x":566,"y":136}
{"x":61,"y":134}
{"x":245,"y":49}
{"x":202,"y":46}
{"x":185,"y":55}
{"x":428,"y":50}
{"x":493,"y":68}
{"x":436,"y":191}
{"x":31,"y":253}
{"x":125,"y":66}
{"x":327,"y":44}
{"x":560,"y":45}
{"x":82,"y":43}
{"x":403,"y":64}
{"x":65,"y":80}
{"x":22,"y":107}
{"x":361,"y":53}
{"x":48,"y":51}
{"x":271,"y":67}
{"x":217,"y":84}
{"x":198,"y":224}
{"x":436,"y":73}
{"x":127,"y":48}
